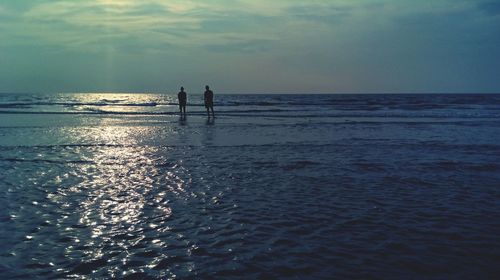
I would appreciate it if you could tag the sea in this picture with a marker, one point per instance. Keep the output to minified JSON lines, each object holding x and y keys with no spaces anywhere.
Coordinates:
{"x":277,"y":186}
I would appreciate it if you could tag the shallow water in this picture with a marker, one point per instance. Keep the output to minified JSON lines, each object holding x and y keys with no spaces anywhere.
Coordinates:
{"x":293,"y":187}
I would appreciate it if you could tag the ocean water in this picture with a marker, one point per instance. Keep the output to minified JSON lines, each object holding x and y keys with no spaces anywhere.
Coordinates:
{"x":98,"y":186}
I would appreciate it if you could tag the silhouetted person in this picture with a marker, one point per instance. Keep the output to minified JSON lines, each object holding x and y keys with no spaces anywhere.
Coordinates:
{"x":209,"y":101}
{"x":182,"y":102}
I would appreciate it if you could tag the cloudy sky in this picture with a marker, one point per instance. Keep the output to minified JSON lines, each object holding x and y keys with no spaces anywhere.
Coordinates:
{"x":244,"y":46}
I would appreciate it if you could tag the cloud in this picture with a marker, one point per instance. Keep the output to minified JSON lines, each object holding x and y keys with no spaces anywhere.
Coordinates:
{"x":248,"y":46}
{"x":177,"y":22}
{"x":339,"y":44}
{"x":87,"y":25}
{"x":490,"y":7}
{"x":322,"y":13}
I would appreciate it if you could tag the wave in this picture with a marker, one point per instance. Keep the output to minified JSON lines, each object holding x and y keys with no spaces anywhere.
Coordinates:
{"x":301,"y":164}
{"x":75,"y":104}
{"x":53,"y":161}
{"x":337,"y":102}
{"x":145,"y":104}
{"x":283,"y":106}
{"x":272,"y":113}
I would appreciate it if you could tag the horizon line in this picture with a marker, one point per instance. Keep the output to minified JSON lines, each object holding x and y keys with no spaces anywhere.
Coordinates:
{"x":248,"y":93}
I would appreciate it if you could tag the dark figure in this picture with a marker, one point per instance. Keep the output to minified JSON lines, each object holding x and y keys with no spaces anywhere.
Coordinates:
{"x":209,"y":101}
{"x":182,"y":102}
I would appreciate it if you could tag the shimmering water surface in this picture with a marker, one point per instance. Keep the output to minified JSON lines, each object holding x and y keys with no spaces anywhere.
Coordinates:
{"x":276,"y":187}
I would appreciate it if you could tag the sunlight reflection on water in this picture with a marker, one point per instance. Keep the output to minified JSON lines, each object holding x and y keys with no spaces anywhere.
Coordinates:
{"x":120,"y":102}
{"x":127,"y":190}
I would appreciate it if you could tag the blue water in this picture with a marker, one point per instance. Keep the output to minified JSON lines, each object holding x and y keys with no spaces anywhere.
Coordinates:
{"x":96,"y":186}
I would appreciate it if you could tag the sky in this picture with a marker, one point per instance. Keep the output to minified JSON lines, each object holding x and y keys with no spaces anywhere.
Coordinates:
{"x":250,"y":46}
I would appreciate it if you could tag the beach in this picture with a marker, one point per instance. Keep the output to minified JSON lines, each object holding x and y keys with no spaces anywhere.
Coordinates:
{"x":376,"y":186}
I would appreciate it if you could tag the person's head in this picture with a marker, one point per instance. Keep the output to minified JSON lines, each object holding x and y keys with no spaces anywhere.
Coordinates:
{"x":207,"y":87}
{"x":182,"y":88}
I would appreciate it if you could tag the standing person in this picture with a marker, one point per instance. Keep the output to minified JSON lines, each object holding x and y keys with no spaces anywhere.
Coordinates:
{"x":182,"y":95}
{"x":209,"y":101}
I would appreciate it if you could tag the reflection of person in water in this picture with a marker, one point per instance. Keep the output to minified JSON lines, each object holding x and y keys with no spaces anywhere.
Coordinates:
{"x":182,"y":95}
{"x":209,"y":101}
